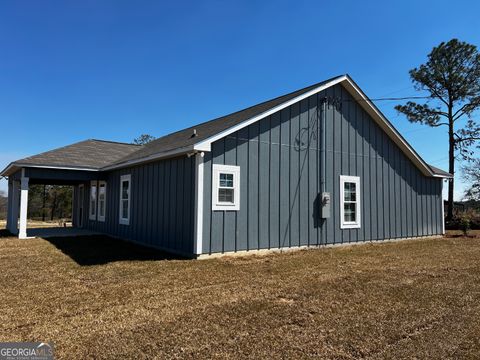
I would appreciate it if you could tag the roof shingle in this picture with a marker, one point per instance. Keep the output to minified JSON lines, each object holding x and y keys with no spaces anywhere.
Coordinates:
{"x":88,"y":154}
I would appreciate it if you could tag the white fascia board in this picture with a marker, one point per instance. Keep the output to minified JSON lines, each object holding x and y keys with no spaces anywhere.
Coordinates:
{"x":442,"y":176}
{"x":157,"y":156}
{"x":206,"y":145}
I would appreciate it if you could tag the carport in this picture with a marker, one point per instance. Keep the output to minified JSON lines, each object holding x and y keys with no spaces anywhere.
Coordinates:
{"x":19,"y":182}
{"x":73,"y":165}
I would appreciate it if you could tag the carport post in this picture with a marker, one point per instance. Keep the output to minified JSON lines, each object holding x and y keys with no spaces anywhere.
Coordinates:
{"x":23,"y":206}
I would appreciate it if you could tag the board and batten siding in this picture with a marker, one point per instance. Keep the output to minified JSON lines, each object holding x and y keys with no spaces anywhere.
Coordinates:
{"x":161,"y":207}
{"x":280,"y":162}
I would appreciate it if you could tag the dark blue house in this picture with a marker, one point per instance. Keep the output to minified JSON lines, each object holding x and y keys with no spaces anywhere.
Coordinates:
{"x":318,"y":166}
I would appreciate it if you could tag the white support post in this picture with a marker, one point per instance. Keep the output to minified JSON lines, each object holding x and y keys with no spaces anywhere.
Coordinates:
{"x":23,"y":207}
{"x":198,"y":234}
{"x":14,"y":207}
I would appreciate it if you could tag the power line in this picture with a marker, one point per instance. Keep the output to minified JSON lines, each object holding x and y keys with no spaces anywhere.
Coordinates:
{"x":338,"y":100}
{"x":401,"y":98}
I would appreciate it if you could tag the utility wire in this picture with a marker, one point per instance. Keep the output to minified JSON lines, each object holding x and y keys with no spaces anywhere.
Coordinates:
{"x":338,"y":100}
{"x":401,"y":98}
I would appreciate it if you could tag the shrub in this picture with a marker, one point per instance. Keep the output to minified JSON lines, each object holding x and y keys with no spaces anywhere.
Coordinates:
{"x":465,"y":224}
{"x":468,"y":219}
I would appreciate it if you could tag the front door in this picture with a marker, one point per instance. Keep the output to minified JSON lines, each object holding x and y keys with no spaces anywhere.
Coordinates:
{"x":80,"y":202}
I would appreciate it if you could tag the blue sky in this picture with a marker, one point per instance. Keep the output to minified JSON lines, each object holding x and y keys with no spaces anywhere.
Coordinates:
{"x":112,"y":70}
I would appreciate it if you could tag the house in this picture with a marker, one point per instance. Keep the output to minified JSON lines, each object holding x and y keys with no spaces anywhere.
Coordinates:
{"x":318,"y":166}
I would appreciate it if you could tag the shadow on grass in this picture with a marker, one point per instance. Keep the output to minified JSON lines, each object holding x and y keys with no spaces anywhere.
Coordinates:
{"x":98,"y":250}
{"x":4,"y":233}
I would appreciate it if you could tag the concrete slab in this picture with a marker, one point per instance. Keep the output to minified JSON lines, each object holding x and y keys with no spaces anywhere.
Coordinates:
{"x":58,"y":232}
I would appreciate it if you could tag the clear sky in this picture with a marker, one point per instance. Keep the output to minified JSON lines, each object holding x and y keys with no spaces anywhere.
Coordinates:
{"x":73,"y":70}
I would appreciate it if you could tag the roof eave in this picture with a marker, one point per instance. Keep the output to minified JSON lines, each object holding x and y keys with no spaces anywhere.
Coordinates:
{"x":444,"y":176}
{"x":15,"y":165}
{"x":7,"y":171}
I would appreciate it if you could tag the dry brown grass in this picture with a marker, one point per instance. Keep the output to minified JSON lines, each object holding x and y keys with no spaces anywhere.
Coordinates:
{"x":95,"y":298}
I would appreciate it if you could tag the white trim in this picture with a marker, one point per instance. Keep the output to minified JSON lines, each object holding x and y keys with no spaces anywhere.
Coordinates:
{"x":99,"y":215}
{"x":218,"y":169}
{"x":199,"y":183}
{"x":443,"y":209}
{"x":121,"y":219}
{"x":22,"y":233}
{"x":350,"y":224}
{"x":93,"y":185}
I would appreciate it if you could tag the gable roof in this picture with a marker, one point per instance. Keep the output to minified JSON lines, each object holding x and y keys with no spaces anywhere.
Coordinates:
{"x":85,"y":155}
{"x":185,"y":138}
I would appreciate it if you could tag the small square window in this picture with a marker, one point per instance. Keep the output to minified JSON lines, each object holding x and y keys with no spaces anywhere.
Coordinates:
{"x":225,"y":187}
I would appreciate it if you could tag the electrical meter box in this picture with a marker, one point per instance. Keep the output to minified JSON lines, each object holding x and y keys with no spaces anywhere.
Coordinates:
{"x":326,"y":204}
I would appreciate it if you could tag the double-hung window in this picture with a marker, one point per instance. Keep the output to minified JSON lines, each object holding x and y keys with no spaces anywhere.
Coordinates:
{"x":349,"y":202}
{"x":92,"y":213}
{"x":226,"y":187}
{"x":102,"y":200}
{"x":125,"y":186}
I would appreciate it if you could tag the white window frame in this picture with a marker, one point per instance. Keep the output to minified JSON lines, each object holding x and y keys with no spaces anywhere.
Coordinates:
{"x":121,"y":219}
{"x":350,"y":224}
{"x":217,"y":205}
{"x":99,"y":215}
{"x":93,"y":185}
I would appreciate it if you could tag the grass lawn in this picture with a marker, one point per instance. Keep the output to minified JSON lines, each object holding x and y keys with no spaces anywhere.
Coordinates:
{"x":102,"y":298}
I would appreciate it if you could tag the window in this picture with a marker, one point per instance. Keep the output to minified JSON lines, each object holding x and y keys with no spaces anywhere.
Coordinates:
{"x":349,"y":202}
{"x":226,"y":187}
{"x":125,"y":199}
{"x":92,"y":214}
{"x":102,"y":200}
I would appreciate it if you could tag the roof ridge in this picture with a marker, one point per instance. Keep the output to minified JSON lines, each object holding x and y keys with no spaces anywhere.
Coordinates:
{"x":114,"y":142}
{"x":249,"y":107}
